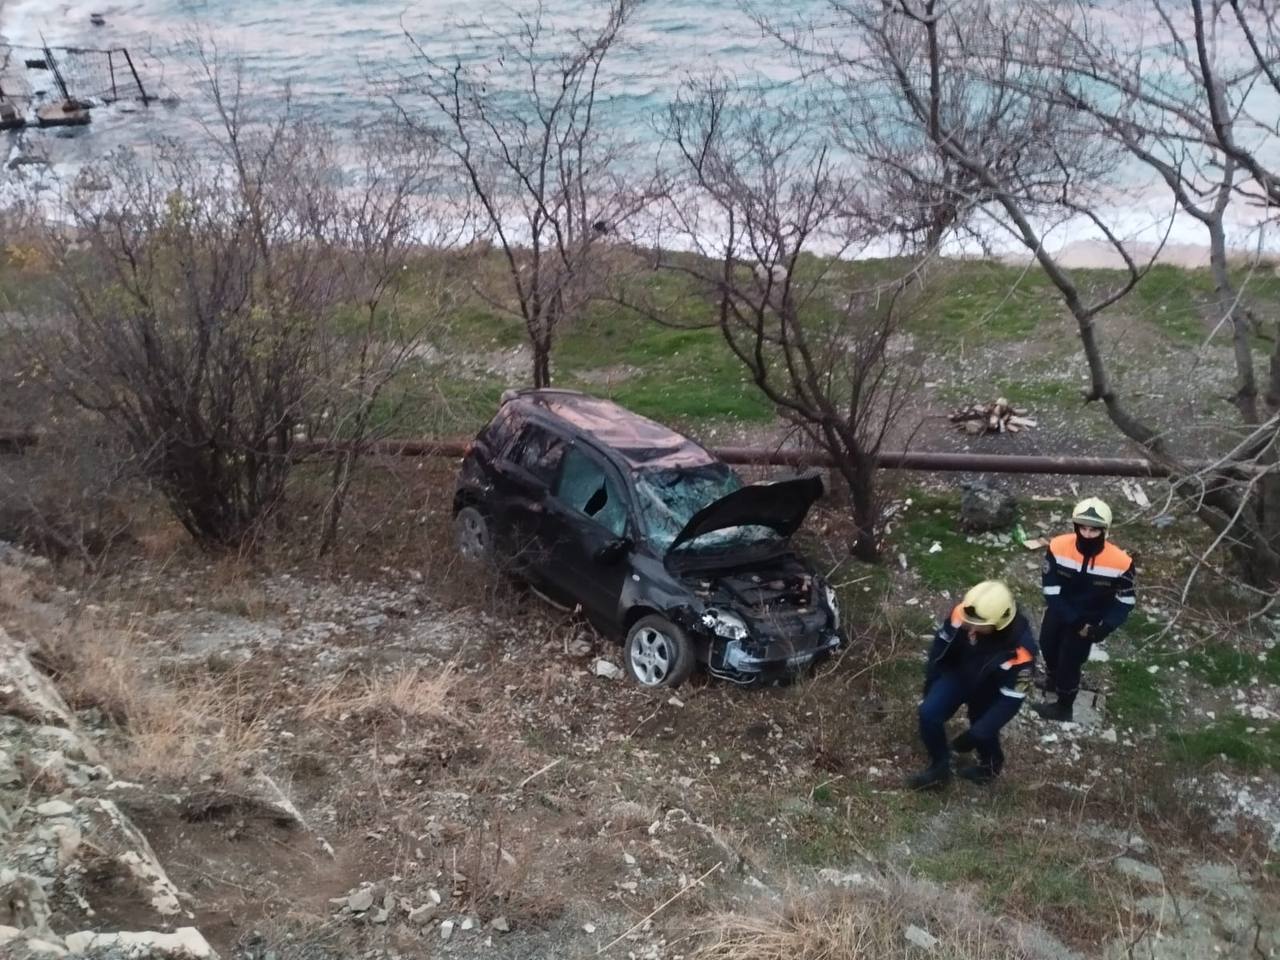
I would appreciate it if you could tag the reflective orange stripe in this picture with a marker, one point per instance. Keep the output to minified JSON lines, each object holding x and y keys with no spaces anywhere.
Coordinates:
{"x":1063,"y":547}
{"x":957,"y":615}
{"x":1020,"y":656}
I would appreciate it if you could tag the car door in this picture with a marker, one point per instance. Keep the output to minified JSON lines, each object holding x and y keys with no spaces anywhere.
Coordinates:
{"x":588,"y":511}
{"x":524,"y":476}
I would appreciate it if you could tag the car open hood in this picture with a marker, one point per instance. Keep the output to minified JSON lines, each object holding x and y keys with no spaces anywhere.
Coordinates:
{"x":780,"y":505}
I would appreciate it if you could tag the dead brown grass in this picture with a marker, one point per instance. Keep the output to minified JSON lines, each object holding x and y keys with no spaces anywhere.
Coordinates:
{"x":855,"y":926}
{"x":171,"y":730}
{"x":412,"y":693}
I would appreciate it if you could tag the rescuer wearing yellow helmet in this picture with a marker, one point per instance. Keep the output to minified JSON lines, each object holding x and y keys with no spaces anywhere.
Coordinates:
{"x":982,"y":657}
{"x":1088,"y":592}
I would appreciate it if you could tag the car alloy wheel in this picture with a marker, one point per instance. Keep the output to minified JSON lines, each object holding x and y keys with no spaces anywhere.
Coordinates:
{"x":652,"y":656}
{"x":472,"y":531}
{"x":658,"y":654}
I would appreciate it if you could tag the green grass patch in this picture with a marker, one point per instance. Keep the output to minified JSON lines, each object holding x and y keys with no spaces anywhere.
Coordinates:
{"x":898,"y":675}
{"x":987,"y":301}
{"x":1006,"y":867}
{"x":934,"y":518}
{"x":1220,"y":665}
{"x":1174,"y":301}
{"x":1136,"y":697}
{"x":1230,"y":739}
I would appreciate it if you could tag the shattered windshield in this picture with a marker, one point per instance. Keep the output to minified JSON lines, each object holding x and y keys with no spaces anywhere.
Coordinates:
{"x":668,"y":500}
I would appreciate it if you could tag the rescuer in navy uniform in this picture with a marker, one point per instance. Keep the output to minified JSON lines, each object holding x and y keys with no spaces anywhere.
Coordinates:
{"x":982,"y":657}
{"x":1088,"y":592}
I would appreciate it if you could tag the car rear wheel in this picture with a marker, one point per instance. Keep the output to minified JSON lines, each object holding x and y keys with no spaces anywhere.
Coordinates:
{"x":658,"y":653}
{"x":471,"y":528}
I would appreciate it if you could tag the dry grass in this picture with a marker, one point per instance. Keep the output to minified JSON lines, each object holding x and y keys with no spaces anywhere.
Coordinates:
{"x":171,"y":731}
{"x":862,"y":926}
{"x":413,"y":693}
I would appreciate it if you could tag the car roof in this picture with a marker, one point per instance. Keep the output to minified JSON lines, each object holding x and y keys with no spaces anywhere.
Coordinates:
{"x":639,"y":442}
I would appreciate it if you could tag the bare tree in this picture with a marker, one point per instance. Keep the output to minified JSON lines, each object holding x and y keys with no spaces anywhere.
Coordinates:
{"x":541,"y":157}
{"x":390,"y":215}
{"x":200,"y":301}
{"x":1196,"y":126}
{"x":1054,"y":160}
{"x":764,"y":195}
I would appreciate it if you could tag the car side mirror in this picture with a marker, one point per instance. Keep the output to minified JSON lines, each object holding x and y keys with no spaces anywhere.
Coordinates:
{"x":613,"y":551}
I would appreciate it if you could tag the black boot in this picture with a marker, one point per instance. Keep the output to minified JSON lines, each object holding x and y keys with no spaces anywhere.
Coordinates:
{"x":936,"y":776}
{"x":980,"y":773}
{"x":1061,"y":711}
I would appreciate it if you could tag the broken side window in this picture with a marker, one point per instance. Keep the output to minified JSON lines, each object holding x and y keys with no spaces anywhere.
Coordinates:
{"x":585,"y":487}
{"x":498,"y":434}
{"x":539,"y":451}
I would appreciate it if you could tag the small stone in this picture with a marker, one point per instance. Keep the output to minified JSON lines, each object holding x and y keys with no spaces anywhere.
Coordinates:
{"x":434,"y":896}
{"x":675,"y":702}
{"x":588,"y":928}
{"x":501,"y":924}
{"x":1109,"y":735}
{"x":468,"y":923}
{"x":360,"y":901}
{"x":55,"y":808}
{"x":379,"y":916}
{"x":629,"y":860}
{"x":446,"y":931}
{"x":422,"y":915}
{"x":608,"y":671}
{"x":920,"y":937}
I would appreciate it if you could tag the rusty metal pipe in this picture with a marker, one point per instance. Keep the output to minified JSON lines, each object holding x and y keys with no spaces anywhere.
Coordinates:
{"x":892,"y":460}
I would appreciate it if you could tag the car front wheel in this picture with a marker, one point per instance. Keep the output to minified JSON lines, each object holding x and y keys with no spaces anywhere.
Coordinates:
{"x":658,"y":653}
{"x":471,"y":527}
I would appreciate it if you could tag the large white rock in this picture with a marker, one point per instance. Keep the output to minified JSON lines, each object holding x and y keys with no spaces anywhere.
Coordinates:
{"x":185,"y":943}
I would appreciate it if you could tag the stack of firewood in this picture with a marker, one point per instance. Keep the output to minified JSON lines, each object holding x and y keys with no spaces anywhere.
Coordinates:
{"x":998,"y":417}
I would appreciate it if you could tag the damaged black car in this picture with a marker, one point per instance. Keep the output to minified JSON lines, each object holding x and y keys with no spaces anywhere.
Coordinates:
{"x":656,"y":541}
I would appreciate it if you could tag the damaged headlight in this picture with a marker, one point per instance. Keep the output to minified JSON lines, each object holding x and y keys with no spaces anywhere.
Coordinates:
{"x":725,"y":624}
{"x":834,"y":605}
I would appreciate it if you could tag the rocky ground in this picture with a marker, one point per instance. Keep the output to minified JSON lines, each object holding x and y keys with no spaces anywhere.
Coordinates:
{"x":420,"y":760}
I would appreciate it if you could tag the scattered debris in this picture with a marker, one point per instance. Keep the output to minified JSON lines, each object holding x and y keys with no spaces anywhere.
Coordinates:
{"x":916,"y":936}
{"x":997,"y":417}
{"x":609,"y":671}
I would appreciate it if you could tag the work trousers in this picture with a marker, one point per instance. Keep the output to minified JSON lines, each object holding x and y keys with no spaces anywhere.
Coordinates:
{"x":1065,"y":653}
{"x":989,"y":710}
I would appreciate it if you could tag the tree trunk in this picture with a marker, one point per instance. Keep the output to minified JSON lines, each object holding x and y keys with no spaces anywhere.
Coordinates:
{"x":343,"y":468}
{"x":1231,"y":309}
{"x":860,"y":477}
{"x":541,"y":344}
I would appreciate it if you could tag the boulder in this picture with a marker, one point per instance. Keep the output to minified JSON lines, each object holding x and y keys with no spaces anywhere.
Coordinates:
{"x":984,"y":507}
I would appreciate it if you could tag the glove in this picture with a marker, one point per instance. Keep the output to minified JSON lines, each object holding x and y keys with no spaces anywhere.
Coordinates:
{"x":963,"y":743}
{"x":1086,"y":632}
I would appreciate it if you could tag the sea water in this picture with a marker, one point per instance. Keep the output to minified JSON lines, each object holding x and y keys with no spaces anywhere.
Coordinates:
{"x":342,"y":59}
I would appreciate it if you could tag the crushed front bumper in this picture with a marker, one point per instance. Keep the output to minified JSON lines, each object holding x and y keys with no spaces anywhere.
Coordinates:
{"x":738,"y":661}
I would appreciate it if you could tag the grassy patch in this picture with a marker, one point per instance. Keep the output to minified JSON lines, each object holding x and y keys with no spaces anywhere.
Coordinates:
{"x":1230,"y":739}
{"x":934,"y":518}
{"x":898,"y":675}
{"x":1039,"y":870}
{"x":985,"y":300}
{"x":1173,"y":300}
{"x":1220,"y":665}
{"x":1136,"y":697}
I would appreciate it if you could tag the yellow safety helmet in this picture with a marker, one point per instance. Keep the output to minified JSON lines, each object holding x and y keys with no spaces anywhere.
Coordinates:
{"x":989,"y":604}
{"x":1092,"y":513}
